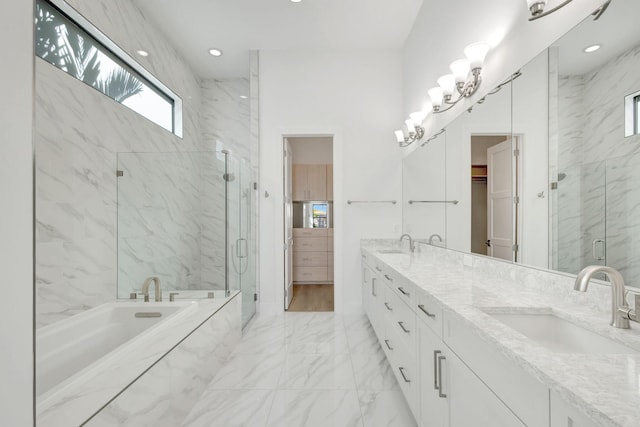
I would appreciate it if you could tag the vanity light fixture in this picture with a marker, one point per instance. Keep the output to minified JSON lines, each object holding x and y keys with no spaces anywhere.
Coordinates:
{"x":464,"y":80}
{"x":415,"y":131}
{"x":215,"y":52}
{"x":536,"y":7}
{"x":592,"y":48}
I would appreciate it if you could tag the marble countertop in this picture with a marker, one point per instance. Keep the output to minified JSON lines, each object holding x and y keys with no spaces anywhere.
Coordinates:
{"x":79,"y":397}
{"x":605,"y":387}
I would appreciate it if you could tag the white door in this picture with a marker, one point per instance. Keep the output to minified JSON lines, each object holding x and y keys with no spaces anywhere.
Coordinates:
{"x":500,"y":201}
{"x":288,"y":225}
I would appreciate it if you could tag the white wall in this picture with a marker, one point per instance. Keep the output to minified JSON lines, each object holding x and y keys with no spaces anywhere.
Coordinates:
{"x":443,"y":28}
{"x":16,"y":217}
{"x":356,"y":96}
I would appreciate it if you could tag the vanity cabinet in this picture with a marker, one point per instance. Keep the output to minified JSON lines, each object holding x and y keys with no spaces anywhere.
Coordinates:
{"x":309,"y":182}
{"x":450,"y":393}
{"x":449,"y":376}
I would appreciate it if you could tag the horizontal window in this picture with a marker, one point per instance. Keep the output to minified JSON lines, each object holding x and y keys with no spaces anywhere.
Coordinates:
{"x":68,"y":41}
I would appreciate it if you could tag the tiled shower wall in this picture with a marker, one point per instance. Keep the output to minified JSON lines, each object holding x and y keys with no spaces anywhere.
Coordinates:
{"x":599,"y":196}
{"x":79,"y":133}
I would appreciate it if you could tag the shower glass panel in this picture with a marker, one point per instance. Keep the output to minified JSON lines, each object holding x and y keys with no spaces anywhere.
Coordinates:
{"x":186,"y":218}
{"x":623,"y":217}
{"x":579,"y":208}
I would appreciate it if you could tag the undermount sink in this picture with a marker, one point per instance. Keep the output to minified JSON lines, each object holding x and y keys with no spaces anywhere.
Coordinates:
{"x":559,"y":335}
{"x":390,"y":251}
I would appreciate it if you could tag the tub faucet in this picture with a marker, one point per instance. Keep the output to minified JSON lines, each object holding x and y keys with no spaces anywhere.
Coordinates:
{"x":412,"y":245}
{"x":145,"y":289}
{"x":620,"y":311}
{"x":434,"y":236}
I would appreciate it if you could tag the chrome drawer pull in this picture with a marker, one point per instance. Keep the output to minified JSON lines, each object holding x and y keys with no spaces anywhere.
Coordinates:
{"x":373,"y":287}
{"x":388,"y":346}
{"x":388,"y":308}
{"x":435,"y":369}
{"x":388,"y":278}
{"x":406,"y":380}
{"x":403,"y":328}
{"x":440,"y":393}
{"x":401,"y":289}
{"x":424,"y":310}
{"x":379,"y":269}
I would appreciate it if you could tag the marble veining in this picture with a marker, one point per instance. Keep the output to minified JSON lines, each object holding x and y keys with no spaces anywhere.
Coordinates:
{"x":300,"y":381}
{"x":604,"y":387}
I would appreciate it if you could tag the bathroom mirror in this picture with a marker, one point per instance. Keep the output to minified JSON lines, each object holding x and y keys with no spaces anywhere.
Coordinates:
{"x":480,"y":177}
{"x":423,"y":192}
{"x":593,"y":165}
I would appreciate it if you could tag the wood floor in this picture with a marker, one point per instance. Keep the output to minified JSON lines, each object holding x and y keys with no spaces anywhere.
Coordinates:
{"x":312,"y":298}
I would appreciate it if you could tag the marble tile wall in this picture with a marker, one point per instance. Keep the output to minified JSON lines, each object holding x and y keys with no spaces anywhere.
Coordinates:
{"x":79,"y":133}
{"x":596,"y":199}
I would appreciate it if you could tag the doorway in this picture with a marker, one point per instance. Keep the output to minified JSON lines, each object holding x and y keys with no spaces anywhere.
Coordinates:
{"x":308,"y":223}
{"x":495,"y":169}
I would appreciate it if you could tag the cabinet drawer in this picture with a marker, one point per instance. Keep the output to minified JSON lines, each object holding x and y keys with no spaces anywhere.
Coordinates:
{"x":429,"y":312}
{"x":403,"y":288}
{"x":403,"y":362}
{"x":330,"y":273}
{"x":330,"y":232}
{"x":310,"y":274}
{"x":310,"y":244}
{"x":400,"y":318}
{"x":310,"y":232}
{"x":310,"y":259}
{"x":564,"y":415}
{"x":330,"y":259}
{"x":330,"y":243}
{"x":521,"y":392}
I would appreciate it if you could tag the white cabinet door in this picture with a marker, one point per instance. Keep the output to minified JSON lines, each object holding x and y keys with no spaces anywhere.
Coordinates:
{"x":433,"y":410}
{"x":471,"y":403}
{"x":563,"y":415}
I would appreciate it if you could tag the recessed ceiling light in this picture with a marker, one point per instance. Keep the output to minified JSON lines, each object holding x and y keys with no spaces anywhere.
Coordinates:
{"x":296,"y":1}
{"x":215,"y":52}
{"x":592,"y":48}
{"x":243,"y":96}
{"x":142,"y":52}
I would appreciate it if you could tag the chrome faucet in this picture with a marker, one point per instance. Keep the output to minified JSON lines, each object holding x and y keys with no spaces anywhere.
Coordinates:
{"x":145,"y":289}
{"x":412,"y":245}
{"x":432,"y":236}
{"x":620,"y":311}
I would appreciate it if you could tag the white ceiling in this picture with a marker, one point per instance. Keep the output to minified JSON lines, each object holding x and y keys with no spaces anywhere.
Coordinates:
{"x":236,"y":26}
{"x":616,"y":31}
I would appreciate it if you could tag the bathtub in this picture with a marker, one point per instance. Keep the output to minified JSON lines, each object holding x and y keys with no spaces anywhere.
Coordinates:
{"x":85,"y":362}
{"x":66,"y":348}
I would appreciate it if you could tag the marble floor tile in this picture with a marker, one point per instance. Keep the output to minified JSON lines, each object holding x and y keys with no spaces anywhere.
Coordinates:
{"x":249,"y":371}
{"x":315,"y":408}
{"x":385,"y":409}
{"x":362,"y":341}
{"x":316,"y":340}
{"x":317,"y":371}
{"x":231,"y":408}
{"x":373,"y":372}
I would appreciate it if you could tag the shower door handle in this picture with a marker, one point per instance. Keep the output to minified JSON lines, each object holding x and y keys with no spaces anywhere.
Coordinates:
{"x":598,"y":255}
{"x":239,"y":248}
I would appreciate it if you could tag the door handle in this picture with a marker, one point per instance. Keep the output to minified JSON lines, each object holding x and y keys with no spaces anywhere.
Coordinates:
{"x":594,"y":251}
{"x":388,"y":308}
{"x":403,"y":328}
{"x":388,"y":346}
{"x":401,"y":289}
{"x":373,"y":287}
{"x":488,"y":243}
{"x":435,"y":369}
{"x":440,"y":393}
{"x":424,"y":310}
{"x":404,"y":377}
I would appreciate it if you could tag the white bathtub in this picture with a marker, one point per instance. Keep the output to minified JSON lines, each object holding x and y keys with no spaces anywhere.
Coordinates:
{"x":67,"y":347}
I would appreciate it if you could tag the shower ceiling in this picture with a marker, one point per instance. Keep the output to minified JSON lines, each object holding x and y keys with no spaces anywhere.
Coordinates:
{"x":236,"y":26}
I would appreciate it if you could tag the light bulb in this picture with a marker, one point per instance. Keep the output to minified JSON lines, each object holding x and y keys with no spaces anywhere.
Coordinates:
{"x":448,"y":84}
{"x":399,"y":135}
{"x":460,"y":70}
{"x":476,"y":53}
{"x":436,"y":96}
{"x":410,"y":126}
{"x":417,"y":118}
